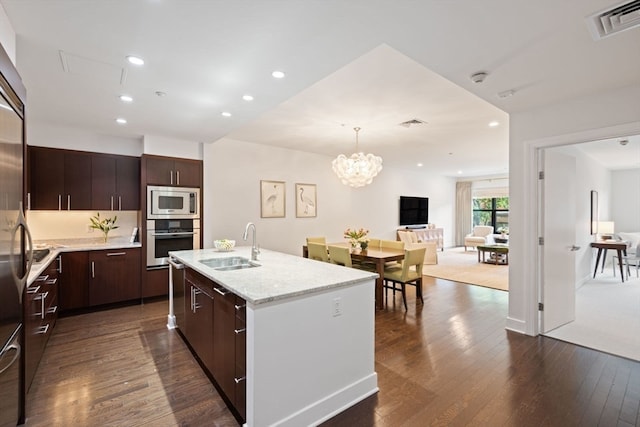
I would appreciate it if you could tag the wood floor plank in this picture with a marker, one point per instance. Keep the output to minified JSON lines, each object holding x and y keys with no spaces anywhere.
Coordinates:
{"x":449,"y":362}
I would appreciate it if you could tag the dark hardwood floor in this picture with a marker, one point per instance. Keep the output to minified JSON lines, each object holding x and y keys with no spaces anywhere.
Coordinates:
{"x":447,"y":363}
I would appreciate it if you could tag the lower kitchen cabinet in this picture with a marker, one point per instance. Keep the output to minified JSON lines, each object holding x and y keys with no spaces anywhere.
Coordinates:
{"x":115,"y":276}
{"x":40,"y":315}
{"x":215,"y":329}
{"x":74,"y":280}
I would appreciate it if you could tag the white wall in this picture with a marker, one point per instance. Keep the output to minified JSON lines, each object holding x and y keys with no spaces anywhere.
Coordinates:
{"x":614,"y":113}
{"x":7,"y":36}
{"x":172,"y":147}
{"x":47,"y":135}
{"x":233,"y":170}
{"x":625,"y":200}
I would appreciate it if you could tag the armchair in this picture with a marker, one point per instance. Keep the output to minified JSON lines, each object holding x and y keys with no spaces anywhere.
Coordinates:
{"x":481,"y":235}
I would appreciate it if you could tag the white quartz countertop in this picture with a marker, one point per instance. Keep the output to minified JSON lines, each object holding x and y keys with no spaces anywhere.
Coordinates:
{"x":73,"y":245}
{"x":279,"y":276}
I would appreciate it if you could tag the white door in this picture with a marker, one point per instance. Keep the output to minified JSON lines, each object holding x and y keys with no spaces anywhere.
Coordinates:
{"x":558,"y":251}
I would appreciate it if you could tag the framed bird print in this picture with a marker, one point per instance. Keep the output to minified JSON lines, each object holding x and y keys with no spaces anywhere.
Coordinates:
{"x":272,"y":199}
{"x":306,"y":202}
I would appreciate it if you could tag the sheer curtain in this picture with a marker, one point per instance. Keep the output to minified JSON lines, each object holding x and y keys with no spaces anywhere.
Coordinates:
{"x":463,"y":211}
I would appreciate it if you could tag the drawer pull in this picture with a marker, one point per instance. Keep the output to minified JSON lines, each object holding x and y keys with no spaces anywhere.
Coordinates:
{"x":52,"y":310}
{"x":42,"y":278}
{"x":51,"y":281}
{"x":221,"y":292}
{"x":239,"y":331}
{"x":239,"y":380}
{"x":42,"y":329}
{"x":116,"y":253}
{"x":33,"y":290}
{"x":239,"y":307}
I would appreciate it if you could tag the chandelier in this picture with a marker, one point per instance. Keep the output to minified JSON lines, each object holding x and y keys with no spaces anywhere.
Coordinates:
{"x":359,"y":169}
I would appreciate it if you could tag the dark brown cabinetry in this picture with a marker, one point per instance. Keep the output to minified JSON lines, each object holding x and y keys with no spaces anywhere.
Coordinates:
{"x":77,"y":180}
{"x":115,"y":182}
{"x":40,"y":315}
{"x":215,"y":327}
{"x":172,"y":171}
{"x":74,"y":280}
{"x":59,"y":179}
{"x":115,"y":276}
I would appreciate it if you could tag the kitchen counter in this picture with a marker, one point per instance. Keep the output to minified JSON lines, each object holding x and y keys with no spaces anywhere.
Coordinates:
{"x":73,"y":245}
{"x":309,"y":334}
{"x":278,"y":276}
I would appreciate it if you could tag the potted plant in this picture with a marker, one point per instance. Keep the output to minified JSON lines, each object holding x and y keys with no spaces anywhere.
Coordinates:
{"x":105,"y":225}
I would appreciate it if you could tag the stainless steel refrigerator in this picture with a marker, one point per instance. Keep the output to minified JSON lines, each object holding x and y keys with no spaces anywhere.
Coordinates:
{"x":13,"y":233}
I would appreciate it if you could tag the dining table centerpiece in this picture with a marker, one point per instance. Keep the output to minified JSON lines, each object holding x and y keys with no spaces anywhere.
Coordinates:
{"x":358,"y":238}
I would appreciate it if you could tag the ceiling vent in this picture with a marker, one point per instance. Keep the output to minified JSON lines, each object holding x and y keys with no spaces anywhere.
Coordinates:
{"x":622,"y":17}
{"x":412,"y":122}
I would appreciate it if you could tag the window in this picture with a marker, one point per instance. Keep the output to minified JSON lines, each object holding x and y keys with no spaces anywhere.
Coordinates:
{"x":491,"y":211}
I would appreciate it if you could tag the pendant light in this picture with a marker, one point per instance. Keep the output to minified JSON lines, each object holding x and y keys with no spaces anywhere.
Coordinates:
{"x":359,"y":169}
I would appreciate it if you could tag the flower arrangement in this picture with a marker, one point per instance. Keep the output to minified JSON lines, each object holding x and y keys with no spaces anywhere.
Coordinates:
{"x":357,"y":237}
{"x":503,"y":230}
{"x":105,"y":225}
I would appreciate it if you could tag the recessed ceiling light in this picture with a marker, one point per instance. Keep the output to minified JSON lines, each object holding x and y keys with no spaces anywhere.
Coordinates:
{"x":121,"y":121}
{"x":135,"y":60}
{"x":226,"y":114}
{"x":126,"y":98}
{"x":160,"y":93}
{"x":247,"y":97}
{"x":419,"y":165}
{"x":459,"y":172}
{"x":493,"y":124}
{"x":278,"y":74}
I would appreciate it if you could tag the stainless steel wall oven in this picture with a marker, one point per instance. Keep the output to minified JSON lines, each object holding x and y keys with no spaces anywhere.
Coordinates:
{"x":164,"y":235}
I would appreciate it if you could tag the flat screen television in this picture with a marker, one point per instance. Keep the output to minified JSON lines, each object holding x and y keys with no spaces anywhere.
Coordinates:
{"x":414,"y":210}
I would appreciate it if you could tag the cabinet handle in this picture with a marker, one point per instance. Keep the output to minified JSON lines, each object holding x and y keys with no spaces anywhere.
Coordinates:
{"x":111,"y":202}
{"x":42,"y":278}
{"x":42,"y":329}
{"x":29,"y":201}
{"x":43,"y":298}
{"x":68,"y":202}
{"x":239,"y":380}
{"x":116,"y":253}
{"x":59,"y":202}
{"x":177,"y":177}
{"x":171,"y":176}
{"x":239,"y":307}
{"x":191,"y":299}
{"x":119,"y":203}
{"x":59,"y":263}
{"x":51,"y":281}
{"x":33,"y":290}
{"x":93,"y":270}
{"x":239,"y":331}
{"x":221,"y":292}
{"x":52,"y":310}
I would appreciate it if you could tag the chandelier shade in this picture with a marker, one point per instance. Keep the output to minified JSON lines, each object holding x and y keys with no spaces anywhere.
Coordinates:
{"x":359,"y":169}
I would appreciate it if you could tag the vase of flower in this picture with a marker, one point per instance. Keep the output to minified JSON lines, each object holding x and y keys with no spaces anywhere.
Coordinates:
{"x":105,"y":225}
{"x":364,"y":246}
{"x":357,"y":239}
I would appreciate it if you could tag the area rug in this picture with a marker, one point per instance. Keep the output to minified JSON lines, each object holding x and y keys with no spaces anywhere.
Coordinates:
{"x":460,"y":266}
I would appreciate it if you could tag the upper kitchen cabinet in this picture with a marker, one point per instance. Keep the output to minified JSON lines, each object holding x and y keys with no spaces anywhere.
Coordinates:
{"x":115,"y":182}
{"x":172,"y":171}
{"x":59,"y":179}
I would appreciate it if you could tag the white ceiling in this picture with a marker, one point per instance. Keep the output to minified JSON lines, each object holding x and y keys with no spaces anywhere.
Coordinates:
{"x":371,"y":64}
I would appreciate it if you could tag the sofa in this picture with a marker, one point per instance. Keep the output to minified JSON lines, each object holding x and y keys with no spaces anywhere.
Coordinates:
{"x":481,"y":235}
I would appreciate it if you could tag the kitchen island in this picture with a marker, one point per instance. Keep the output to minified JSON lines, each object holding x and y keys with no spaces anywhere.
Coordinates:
{"x":309,"y":333}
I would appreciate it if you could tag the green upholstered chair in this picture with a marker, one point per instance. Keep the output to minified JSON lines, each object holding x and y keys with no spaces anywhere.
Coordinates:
{"x":404,"y":275}
{"x":340,"y":255}
{"x":317,"y":251}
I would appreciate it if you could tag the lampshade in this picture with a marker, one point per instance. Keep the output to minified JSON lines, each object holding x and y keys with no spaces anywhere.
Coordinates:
{"x":606,"y":229}
{"x":359,"y":169}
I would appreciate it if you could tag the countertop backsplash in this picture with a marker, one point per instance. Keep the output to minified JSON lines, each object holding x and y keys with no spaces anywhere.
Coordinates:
{"x":49,"y":225}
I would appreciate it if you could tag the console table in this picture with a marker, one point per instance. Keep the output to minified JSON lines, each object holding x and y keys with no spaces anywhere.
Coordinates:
{"x":427,"y":235}
{"x":621,"y":247}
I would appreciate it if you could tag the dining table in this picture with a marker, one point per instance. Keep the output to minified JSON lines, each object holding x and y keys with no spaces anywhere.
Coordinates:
{"x":378,"y":256}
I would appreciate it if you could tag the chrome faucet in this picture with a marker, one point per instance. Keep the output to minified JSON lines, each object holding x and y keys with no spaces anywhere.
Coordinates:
{"x":254,"y":249}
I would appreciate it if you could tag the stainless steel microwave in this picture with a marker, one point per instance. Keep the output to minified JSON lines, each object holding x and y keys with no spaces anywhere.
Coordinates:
{"x":172,"y":202}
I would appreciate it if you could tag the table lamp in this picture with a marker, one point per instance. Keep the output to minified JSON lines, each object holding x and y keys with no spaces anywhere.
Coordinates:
{"x":606,"y":229}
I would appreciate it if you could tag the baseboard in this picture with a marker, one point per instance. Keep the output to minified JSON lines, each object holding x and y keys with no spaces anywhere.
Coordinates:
{"x":324,"y":409}
{"x":516,"y":325}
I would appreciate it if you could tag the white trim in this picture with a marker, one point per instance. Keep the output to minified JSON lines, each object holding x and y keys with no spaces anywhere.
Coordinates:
{"x":532,"y":271}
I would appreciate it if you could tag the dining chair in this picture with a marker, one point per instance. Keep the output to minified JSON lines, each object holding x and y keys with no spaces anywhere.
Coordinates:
{"x":317,"y":251}
{"x":322,"y":240}
{"x":392,"y":244}
{"x":340,"y":255}
{"x":405,"y":275}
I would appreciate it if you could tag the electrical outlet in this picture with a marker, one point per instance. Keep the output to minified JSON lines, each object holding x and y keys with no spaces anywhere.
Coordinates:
{"x":336,"y":307}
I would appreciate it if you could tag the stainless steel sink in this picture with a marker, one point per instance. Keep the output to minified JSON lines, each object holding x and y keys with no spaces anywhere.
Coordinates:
{"x":228,"y":263}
